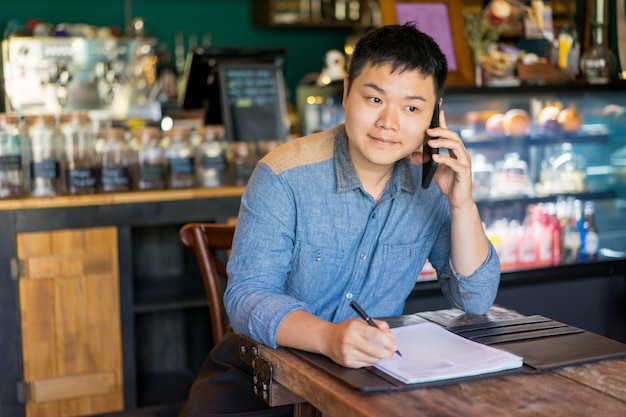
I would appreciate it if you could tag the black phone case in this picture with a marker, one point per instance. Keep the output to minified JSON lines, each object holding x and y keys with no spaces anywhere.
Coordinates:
{"x":429,"y":167}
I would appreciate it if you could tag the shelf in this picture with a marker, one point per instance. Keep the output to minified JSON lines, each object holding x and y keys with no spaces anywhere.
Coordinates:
{"x":154,"y":294}
{"x":576,"y":88}
{"x":579,"y":270}
{"x":503,"y":201}
{"x":599,"y":136}
{"x":313,"y":24}
{"x":171,"y":301}
{"x":296,"y":14}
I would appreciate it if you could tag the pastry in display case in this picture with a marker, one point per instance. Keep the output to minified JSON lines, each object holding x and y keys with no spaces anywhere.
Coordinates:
{"x":560,"y":149}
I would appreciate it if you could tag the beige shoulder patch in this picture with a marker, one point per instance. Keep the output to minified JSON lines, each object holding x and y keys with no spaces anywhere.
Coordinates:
{"x":307,"y":150}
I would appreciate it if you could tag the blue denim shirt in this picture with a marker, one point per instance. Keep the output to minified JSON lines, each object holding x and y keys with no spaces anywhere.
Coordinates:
{"x":309,"y":237}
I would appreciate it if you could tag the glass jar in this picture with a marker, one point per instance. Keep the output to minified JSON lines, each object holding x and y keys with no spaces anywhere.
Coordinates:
{"x":115,"y":160}
{"x":242,"y":158}
{"x":598,"y":63}
{"x":150,"y":173}
{"x":179,"y":157}
{"x":211,"y":157}
{"x":46,"y":155}
{"x":79,"y":170}
{"x":11,"y":176}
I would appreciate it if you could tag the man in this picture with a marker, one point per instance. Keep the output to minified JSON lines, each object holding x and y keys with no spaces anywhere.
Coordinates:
{"x":340,"y":215}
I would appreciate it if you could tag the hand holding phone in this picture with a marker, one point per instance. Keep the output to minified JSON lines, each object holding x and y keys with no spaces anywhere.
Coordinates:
{"x":429,"y":166}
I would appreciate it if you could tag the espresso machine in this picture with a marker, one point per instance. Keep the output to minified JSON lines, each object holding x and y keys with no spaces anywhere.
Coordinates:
{"x":52,"y":74}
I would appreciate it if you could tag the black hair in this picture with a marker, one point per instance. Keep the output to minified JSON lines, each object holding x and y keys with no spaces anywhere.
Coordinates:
{"x":405,"y":48}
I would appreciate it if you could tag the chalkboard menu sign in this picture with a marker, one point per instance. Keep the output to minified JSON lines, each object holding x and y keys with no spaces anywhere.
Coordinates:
{"x":200,"y":83}
{"x":253,"y":101}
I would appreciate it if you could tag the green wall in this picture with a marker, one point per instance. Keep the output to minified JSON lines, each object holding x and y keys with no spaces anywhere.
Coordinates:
{"x":228,"y":21}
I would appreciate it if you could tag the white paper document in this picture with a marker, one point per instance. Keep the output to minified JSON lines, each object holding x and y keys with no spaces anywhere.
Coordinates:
{"x":432,"y":353}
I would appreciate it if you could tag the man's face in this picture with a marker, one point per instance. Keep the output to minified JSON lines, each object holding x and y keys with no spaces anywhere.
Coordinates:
{"x":387,"y":115}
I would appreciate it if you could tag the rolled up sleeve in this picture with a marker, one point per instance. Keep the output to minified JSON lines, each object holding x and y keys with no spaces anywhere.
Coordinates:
{"x":476,"y":293}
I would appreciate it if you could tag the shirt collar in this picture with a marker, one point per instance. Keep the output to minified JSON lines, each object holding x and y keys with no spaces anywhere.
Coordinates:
{"x":346,"y":176}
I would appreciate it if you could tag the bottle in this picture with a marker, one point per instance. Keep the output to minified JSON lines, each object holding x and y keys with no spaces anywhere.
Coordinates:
{"x":542,"y":234}
{"x":598,"y":63}
{"x":509,"y":249}
{"x":115,"y":159}
{"x":211,"y":157}
{"x":592,"y":236}
{"x":565,"y":43}
{"x":150,"y":159}
{"x":79,"y":170}
{"x":554,"y":228}
{"x":527,"y":250}
{"x":11,"y":176}
{"x":46,"y":153}
{"x":180,"y":159}
{"x":571,"y":237}
{"x":578,"y":214}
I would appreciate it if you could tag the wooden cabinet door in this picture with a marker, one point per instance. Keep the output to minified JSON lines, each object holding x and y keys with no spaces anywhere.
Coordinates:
{"x":70,"y":321}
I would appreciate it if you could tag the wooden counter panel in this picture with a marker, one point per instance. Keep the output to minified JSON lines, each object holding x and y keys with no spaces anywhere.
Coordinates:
{"x":70,"y":321}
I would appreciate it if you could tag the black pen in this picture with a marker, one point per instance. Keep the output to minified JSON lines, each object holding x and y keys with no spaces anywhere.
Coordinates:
{"x":356,"y":307}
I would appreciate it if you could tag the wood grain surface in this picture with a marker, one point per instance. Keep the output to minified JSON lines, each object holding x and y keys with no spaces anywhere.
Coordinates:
{"x":70,"y":318}
{"x":120,"y":198}
{"x":593,"y":389}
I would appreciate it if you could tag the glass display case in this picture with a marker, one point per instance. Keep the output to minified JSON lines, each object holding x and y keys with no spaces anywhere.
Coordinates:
{"x":552,"y":195}
{"x":549,"y":169}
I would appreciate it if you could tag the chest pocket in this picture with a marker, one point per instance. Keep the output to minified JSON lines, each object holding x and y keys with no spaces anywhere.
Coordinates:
{"x":314,"y":272}
{"x":401,"y":266}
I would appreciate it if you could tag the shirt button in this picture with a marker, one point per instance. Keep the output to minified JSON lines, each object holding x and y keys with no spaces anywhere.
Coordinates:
{"x":373,"y":215}
{"x":349,"y":296}
{"x":318,"y":257}
{"x":363,"y":256}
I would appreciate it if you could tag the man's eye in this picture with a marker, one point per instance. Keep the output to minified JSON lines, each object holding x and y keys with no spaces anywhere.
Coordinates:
{"x":412,"y":109}
{"x":374,"y":100}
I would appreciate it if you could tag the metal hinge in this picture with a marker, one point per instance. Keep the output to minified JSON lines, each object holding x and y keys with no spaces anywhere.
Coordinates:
{"x":18,"y":268}
{"x":24,"y":392}
{"x":261,"y":367}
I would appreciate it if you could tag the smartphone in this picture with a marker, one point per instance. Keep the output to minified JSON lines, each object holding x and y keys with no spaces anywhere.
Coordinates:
{"x":429,"y":166}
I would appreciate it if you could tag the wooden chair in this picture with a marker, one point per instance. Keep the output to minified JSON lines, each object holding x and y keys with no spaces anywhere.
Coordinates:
{"x":205,"y":239}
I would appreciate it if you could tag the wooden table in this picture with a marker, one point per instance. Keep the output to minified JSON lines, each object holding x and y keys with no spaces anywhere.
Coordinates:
{"x":597,"y":389}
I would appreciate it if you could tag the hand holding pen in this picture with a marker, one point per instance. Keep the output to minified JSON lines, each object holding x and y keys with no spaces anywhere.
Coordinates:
{"x":356,"y":307}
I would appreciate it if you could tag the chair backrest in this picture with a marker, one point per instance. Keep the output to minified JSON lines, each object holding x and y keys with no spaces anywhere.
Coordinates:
{"x":205,"y":239}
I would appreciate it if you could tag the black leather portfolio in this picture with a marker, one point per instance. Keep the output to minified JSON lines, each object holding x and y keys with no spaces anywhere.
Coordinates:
{"x":543,"y":344}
